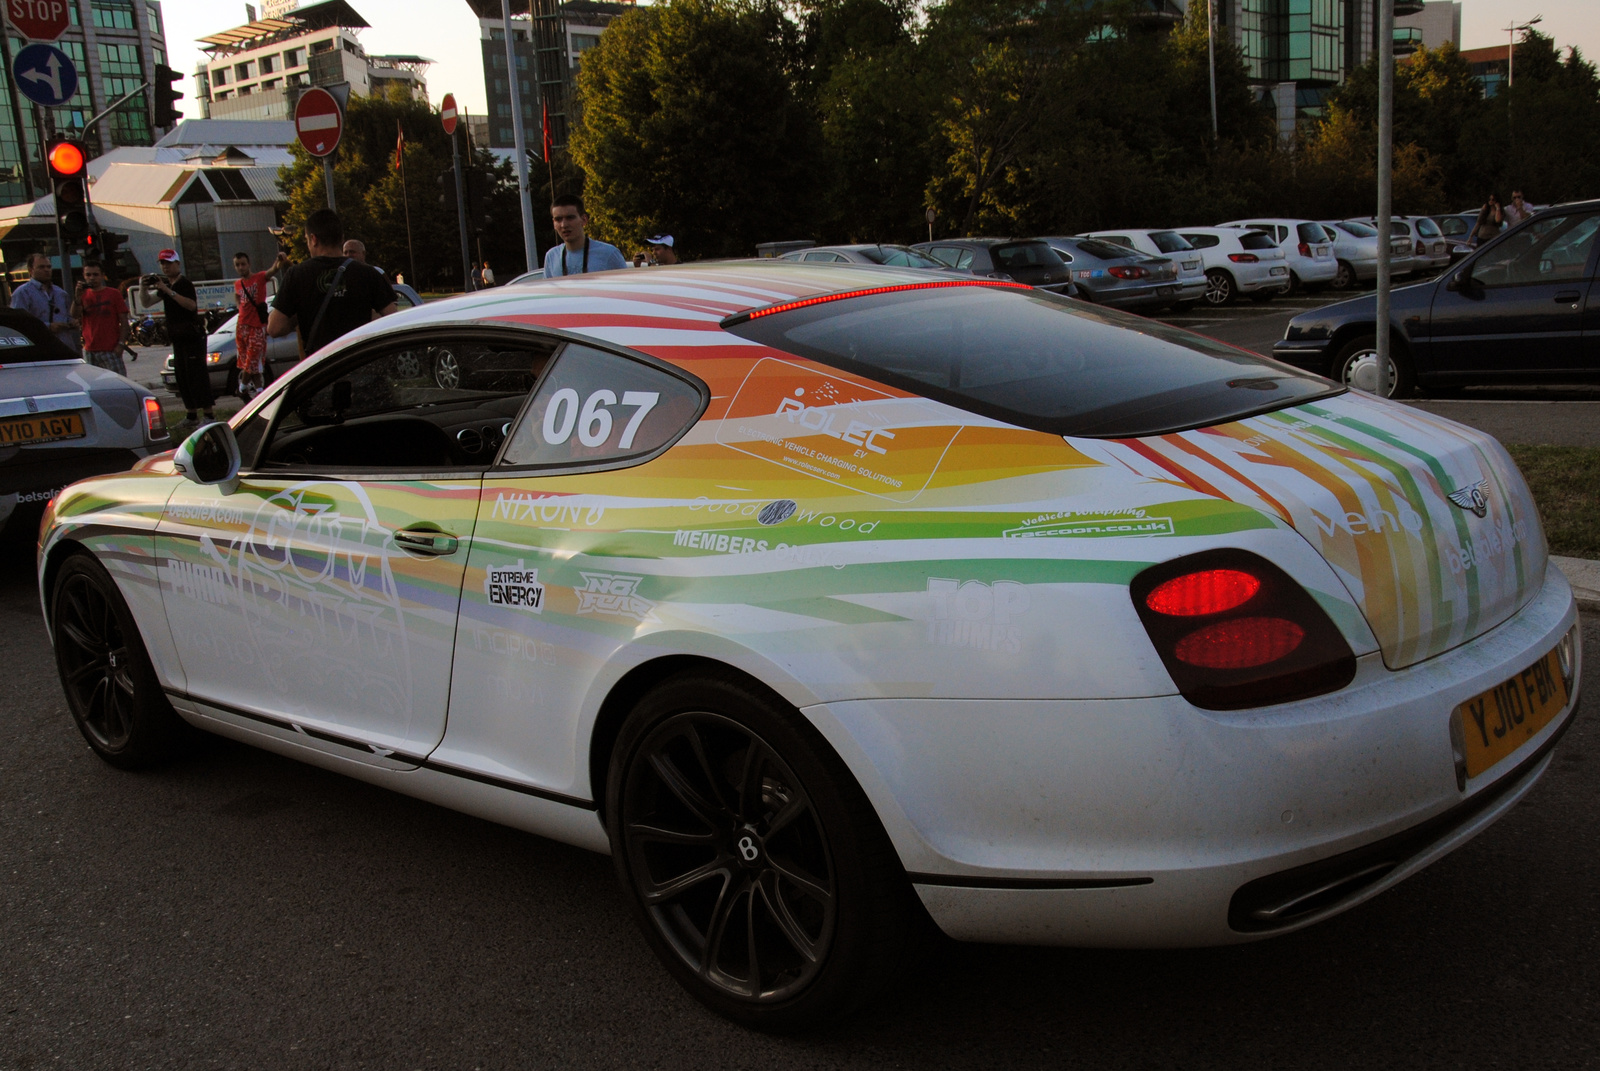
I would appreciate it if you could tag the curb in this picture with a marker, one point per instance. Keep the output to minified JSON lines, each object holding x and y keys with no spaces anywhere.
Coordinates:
{"x":1584,"y":576}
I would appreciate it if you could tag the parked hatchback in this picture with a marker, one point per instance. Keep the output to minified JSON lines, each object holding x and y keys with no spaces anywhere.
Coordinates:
{"x":1239,"y":262}
{"x":1114,"y":275}
{"x":1026,"y":260}
{"x":1430,"y":250}
{"x":1191,"y":268}
{"x":1305,"y":246}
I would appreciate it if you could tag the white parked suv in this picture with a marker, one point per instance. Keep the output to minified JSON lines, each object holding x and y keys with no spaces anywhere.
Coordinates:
{"x":1238,"y":261}
{"x":1305,"y":246}
{"x":1169,"y":244}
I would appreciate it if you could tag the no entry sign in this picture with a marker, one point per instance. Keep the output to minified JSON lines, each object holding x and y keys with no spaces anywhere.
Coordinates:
{"x":318,"y":122}
{"x":39,"y":20}
{"x":447,"y":113}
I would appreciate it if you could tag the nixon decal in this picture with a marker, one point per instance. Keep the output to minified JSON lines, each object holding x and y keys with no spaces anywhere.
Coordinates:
{"x":546,"y":509}
{"x":516,"y":586}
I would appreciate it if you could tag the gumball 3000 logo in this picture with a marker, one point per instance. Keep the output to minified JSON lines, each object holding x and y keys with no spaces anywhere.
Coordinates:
{"x":976,"y":615}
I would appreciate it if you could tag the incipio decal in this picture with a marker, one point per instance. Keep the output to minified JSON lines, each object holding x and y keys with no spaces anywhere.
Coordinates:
{"x":842,"y":433}
{"x":513,"y":585}
{"x":777,"y":512}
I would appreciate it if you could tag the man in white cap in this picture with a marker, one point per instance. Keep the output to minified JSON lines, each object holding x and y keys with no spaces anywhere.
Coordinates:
{"x":661,"y":249}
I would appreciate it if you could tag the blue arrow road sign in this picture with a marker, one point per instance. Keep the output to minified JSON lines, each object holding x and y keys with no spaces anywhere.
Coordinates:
{"x":45,"y":75}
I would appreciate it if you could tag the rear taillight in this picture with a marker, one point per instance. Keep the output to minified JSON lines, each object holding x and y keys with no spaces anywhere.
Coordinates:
{"x":1421,"y":249}
{"x":155,"y":421}
{"x":1305,"y":249}
{"x":1236,"y":631}
{"x":1127,"y":272}
{"x":1243,"y":258}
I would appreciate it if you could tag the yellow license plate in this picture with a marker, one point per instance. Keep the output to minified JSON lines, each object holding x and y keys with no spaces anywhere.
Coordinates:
{"x":1495,"y":723}
{"x":45,"y":428}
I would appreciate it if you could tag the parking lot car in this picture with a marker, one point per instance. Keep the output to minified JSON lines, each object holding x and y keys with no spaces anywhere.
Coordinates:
{"x":1305,"y":246}
{"x":1457,"y":229}
{"x":821,"y":605}
{"x":1355,"y":247}
{"x":1026,"y":260}
{"x":1239,"y":262}
{"x":1159,"y":243}
{"x":1513,"y":311}
{"x":527,"y":277}
{"x":222,"y":351}
{"x":1114,"y":275}
{"x":894,"y":256}
{"x":1430,"y":251}
{"x":61,"y":418}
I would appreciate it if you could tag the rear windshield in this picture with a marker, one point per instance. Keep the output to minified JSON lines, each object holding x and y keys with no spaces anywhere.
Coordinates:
{"x":1358,"y":230}
{"x":1038,"y":361}
{"x":1025,"y":255}
{"x":1169,"y":241}
{"x":1427,"y":228}
{"x":1453,"y":225}
{"x":24,"y":339}
{"x":1106,"y":250}
{"x":1311,"y":232}
{"x":1257,"y":240}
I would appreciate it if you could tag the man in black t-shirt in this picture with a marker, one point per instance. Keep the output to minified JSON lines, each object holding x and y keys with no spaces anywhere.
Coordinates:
{"x":308,"y":300}
{"x":187,"y":333}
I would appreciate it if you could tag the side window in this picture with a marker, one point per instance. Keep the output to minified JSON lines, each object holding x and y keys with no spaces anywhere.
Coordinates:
{"x":402,"y":300}
{"x":595,"y":407}
{"x":828,"y":258}
{"x":949,"y":254}
{"x":1552,"y":250}
{"x":964,"y":258}
{"x":1202,"y":241}
{"x":407,"y":407}
{"x":1120,"y":239}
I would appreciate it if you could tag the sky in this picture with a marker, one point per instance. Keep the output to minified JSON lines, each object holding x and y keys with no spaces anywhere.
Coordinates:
{"x":446,"y":31}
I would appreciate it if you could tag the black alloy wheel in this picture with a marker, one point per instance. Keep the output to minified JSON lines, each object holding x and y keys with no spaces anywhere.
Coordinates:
{"x":111,"y":688}
{"x":1219,"y":287}
{"x":755,"y":865}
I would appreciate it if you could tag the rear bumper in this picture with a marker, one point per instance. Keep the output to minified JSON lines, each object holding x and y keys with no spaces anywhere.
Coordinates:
{"x":1316,"y":271}
{"x":1150,"y":823}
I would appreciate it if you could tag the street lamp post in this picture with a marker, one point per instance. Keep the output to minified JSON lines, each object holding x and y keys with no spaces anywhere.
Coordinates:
{"x":1211,"y":57}
{"x":1511,"y":45}
{"x":1385,"y":186}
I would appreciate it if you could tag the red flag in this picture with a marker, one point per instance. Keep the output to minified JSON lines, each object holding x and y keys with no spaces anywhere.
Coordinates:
{"x":548,"y":144}
{"x":399,"y":146}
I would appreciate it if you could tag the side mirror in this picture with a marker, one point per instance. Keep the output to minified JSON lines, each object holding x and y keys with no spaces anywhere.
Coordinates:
{"x":210,"y":457}
{"x":1461,"y":280}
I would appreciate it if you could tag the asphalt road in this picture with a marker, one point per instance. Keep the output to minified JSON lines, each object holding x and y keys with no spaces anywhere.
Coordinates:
{"x":239,"y":910}
{"x":1553,"y":414}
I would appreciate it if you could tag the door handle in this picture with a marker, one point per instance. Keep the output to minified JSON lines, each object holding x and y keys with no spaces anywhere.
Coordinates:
{"x":422,"y":541}
{"x":1568,"y":297}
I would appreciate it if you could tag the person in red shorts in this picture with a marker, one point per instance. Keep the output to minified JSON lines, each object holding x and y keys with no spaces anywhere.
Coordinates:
{"x":250,"y":333}
{"x":104,"y":316}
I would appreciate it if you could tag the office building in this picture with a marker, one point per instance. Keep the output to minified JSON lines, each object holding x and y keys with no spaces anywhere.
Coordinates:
{"x":258,"y":70}
{"x":549,"y":39}
{"x":115,"y":46}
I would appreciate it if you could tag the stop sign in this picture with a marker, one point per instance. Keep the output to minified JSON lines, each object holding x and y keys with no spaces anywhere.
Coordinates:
{"x":447,"y":113}
{"x":40,"y":20}
{"x":318,"y":122}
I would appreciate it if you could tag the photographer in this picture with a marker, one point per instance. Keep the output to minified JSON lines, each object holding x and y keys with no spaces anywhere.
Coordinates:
{"x":187,"y":335}
{"x":250,"y":333}
{"x":104,"y":316}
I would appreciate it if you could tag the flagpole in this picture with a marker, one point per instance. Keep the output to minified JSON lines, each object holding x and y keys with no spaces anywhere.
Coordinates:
{"x":405,"y":200}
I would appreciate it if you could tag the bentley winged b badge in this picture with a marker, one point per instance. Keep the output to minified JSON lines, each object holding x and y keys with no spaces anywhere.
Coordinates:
{"x":1473,"y":497}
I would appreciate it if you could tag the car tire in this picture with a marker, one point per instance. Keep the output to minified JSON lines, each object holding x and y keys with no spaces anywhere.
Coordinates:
{"x":111,"y":687}
{"x":1295,"y":286}
{"x":407,"y":365}
{"x":754,"y":864}
{"x":1346,"y":279}
{"x":1220,"y":288}
{"x":446,"y":368}
{"x":1356,"y":367}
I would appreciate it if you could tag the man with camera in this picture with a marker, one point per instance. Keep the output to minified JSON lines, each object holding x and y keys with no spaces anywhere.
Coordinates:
{"x":250,"y":331}
{"x":188,"y":335}
{"x":104,"y":316}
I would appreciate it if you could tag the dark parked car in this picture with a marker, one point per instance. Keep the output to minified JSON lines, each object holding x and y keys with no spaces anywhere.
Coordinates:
{"x":1513,"y":311}
{"x":1026,"y":260}
{"x":1122,"y":278}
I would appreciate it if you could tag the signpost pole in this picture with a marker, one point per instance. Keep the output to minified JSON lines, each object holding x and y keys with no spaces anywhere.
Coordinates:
{"x":520,"y":138}
{"x":461,"y":213}
{"x":1385,"y":184}
{"x":327,"y":178}
{"x":61,"y":242}
{"x":16,"y":114}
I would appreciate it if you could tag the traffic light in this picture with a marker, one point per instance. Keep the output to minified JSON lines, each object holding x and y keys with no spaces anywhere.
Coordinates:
{"x":167,"y":97}
{"x":67,"y":163}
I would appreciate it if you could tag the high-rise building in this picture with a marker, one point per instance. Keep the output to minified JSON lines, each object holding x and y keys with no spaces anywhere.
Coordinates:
{"x":259,"y":70}
{"x":115,"y":46}
{"x":549,"y":38}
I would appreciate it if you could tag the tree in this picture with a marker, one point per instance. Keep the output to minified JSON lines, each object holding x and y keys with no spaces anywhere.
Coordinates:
{"x":690,"y":123}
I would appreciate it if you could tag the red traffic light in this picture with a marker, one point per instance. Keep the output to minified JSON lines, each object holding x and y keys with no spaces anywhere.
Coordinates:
{"x":66,"y":158}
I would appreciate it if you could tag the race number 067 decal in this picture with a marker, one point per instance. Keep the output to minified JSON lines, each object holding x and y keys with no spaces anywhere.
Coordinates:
{"x":592,"y":417}
{"x":843,"y":433}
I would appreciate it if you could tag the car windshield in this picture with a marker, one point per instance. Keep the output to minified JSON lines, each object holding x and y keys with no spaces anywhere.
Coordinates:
{"x":1169,"y":241}
{"x":1257,"y":240}
{"x":898,"y":256}
{"x":1026,"y":255}
{"x":1357,"y":230}
{"x":1037,"y":361}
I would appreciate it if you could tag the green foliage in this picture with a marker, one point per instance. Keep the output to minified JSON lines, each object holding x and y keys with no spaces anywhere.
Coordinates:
{"x":368,"y":194}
